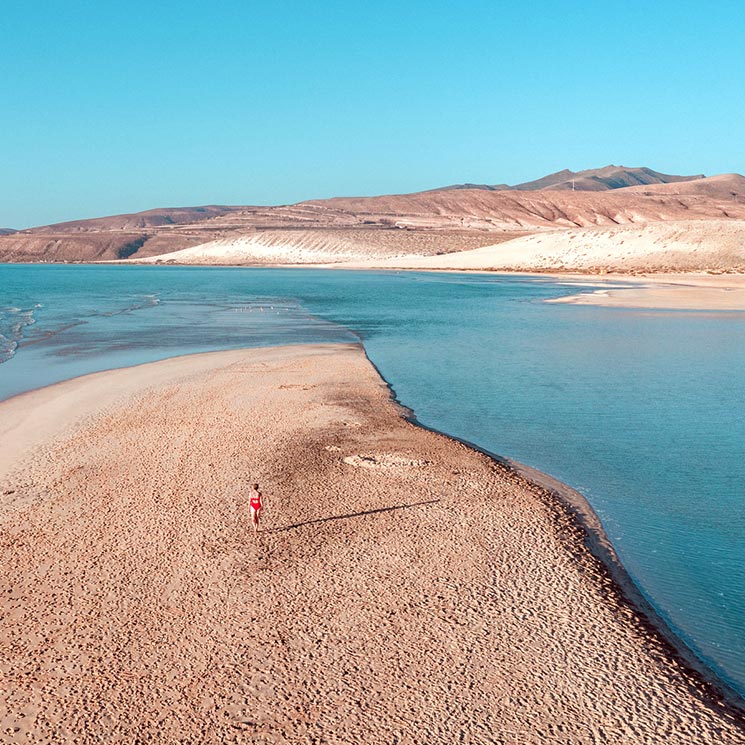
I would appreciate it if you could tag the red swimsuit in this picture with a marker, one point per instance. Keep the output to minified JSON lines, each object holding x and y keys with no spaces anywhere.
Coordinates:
{"x":255,"y":502}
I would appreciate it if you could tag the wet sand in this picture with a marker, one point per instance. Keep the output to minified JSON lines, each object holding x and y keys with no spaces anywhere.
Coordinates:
{"x":404,"y":588}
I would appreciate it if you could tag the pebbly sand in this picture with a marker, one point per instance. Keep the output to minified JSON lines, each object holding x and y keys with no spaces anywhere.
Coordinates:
{"x":404,"y":589}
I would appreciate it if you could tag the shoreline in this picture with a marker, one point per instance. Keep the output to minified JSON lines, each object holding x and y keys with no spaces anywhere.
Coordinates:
{"x":695,"y":291}
{"x":596,"y":541}
{"x":542,"y":486}
{"x":564,"y":496}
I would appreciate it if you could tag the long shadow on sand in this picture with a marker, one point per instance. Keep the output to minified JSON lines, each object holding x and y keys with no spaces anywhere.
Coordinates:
{"x":352,"y":514}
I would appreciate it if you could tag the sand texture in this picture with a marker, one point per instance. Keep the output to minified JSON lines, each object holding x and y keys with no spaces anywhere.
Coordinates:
{"x":405,"y":588}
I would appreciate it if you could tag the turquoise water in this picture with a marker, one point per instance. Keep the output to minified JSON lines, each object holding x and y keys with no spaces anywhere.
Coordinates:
{"x":643,"y":412}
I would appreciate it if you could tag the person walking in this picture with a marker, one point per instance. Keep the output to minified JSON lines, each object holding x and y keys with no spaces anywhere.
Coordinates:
{"x":256,"y":504}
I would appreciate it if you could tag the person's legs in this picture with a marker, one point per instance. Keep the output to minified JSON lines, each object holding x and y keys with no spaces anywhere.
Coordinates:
{"x":255,"y":515}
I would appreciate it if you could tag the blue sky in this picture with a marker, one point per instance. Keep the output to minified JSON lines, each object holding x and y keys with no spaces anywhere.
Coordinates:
{"x":119,"y":107}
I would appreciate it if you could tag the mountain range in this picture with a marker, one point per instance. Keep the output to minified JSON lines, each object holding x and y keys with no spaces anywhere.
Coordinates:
{"x":434,"y":222}
{"x":595,"y":179}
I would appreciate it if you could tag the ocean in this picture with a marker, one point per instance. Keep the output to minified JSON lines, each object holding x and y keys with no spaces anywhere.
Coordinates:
{"x":642,"y":412}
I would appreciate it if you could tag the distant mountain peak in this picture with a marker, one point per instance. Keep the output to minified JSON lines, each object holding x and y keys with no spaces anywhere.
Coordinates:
{"x":593,"y":179}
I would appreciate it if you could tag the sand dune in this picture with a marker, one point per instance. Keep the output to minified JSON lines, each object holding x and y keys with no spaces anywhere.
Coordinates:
{"x":406,"y":589}
{"x":267,"y":247}
{"x":324,"y":246}
{"x":679,"y":246}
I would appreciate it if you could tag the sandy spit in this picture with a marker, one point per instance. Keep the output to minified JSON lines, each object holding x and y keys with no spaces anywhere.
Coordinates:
{"x":668,"y":292}
{"x":405,"y":588}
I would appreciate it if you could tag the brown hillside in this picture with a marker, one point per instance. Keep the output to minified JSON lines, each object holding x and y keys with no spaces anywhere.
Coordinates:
{"x":139,"y":220}
{"x":602,"y":179}
{"x":441,"y":218}
{"x":509,"y":210}
{"x":87,"y":246}
{"x":594,"y":179}
{"x":726,"y":186}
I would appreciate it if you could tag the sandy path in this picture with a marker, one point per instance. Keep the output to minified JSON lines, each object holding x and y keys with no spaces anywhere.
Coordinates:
{"x":406,"y":588}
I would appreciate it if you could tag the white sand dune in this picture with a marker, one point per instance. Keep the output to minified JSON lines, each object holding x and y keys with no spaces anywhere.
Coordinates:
{"x":323,"y":246}
{"x":299,"y":247}
{"x":679,"y":246}
{"x":663,"y":247}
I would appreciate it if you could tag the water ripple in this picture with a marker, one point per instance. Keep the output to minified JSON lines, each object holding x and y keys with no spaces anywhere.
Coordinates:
{"x":13,"y":322}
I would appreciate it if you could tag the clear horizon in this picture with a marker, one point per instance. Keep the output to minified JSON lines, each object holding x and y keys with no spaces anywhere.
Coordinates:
{"x":112,"y":110}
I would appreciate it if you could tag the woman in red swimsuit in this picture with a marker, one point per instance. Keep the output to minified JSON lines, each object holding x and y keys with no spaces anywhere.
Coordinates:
{"x":255,"y":504}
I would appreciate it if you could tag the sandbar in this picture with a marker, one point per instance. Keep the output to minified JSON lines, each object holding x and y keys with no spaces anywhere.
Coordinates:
{"x":405,"y":588}
{"x":703,"y":292}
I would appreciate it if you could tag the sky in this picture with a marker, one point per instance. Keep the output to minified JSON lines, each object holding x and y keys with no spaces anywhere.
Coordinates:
{"x":112,"y":107}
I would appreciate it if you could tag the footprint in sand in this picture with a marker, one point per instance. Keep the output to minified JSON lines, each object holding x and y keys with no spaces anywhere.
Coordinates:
{"x":384,"y":460}
{"x":345,"y":423}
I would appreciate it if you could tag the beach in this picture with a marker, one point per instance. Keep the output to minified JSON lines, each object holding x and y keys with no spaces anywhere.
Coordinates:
{"x":404,"y":587}
{"x":725,"y":292}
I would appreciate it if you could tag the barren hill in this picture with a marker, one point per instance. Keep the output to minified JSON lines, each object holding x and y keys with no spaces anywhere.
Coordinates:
{"x":726,"y":186}
{"x":531,"y":210}
{"x":594,"y":179}
{"x":432,"y":223}
{"x":139,"y":220}
{"x":602,"y":179}
{"x":115,"y":237}
{"x":358,"y":228}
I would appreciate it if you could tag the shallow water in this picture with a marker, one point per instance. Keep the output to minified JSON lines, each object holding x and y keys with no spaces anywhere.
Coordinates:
{"x":640,"y":411}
